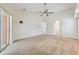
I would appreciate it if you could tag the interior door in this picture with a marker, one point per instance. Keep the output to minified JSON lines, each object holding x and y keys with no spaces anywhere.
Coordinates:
{"x":44,"y":27}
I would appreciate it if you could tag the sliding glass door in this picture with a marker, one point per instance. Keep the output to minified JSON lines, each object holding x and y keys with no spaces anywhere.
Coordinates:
{"x":4,"y":31}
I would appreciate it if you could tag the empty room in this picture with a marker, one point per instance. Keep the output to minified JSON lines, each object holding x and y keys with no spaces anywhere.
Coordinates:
{"x":39,"y":28}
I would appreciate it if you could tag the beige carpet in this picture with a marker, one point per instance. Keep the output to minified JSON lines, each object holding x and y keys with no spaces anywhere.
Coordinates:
{"x":43,"y":45}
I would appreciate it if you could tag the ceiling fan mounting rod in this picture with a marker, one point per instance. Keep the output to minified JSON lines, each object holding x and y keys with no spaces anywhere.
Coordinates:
{"x":45,"y":6}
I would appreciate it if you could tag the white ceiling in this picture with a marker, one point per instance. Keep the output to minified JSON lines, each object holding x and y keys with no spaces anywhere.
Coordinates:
{"x":36,"y":7}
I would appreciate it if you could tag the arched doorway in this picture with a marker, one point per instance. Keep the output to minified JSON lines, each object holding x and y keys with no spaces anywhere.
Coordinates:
{"x":57,"y":28}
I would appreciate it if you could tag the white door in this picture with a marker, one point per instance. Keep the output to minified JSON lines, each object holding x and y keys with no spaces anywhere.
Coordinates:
{"x":44,"y":27}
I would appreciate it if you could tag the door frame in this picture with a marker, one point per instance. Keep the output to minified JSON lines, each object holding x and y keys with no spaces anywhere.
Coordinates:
{"x":60,"y":27}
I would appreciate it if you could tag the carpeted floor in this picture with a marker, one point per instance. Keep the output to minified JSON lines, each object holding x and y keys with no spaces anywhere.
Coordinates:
{"x":43,"y":45}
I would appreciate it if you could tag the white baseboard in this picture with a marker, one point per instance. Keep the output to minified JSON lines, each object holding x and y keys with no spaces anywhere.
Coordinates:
{"x":26,"y":36}
{"x":68,"y":36}
{"x":73,"y":37}
{"x":36,"y":34}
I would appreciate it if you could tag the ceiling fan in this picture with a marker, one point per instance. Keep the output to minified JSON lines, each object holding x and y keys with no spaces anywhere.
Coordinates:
{"x":42,"y":13}
{"x":46,"y":11}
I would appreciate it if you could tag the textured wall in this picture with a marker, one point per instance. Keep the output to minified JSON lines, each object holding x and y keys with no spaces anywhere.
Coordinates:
{"x":68,"y":23}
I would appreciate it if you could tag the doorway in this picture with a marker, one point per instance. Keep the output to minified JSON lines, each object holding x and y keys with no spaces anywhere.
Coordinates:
{"x":57,"y":28}
{"x":44,"y":27}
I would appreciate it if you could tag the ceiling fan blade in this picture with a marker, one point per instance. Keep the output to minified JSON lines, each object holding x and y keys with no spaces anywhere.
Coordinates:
{"x":50,"y":12}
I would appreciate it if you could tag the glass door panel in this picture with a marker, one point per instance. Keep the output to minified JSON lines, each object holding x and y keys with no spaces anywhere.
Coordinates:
{"x":4,"y":31}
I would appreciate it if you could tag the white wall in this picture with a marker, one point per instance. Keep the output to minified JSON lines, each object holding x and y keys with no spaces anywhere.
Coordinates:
{"x":68,"y":23}
{"x":31,"y":26}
